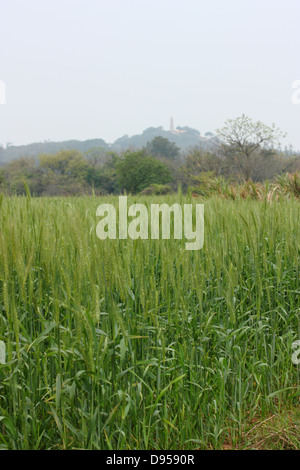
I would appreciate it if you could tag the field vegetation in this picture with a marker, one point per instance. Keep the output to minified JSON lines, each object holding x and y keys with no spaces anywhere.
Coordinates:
{"x":122,"y":344}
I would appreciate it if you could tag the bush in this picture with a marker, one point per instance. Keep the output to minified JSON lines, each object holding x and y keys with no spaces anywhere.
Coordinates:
{"x":136,"y":171}
{"x":157,"y":190}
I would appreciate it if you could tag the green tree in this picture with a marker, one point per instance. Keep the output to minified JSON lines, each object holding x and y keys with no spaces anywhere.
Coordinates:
{"x":136,"y":171}
{"x":66,"y":163}
{"x":97,"y":156}
{"x":23,"y":170}
{"x":162,"y":147}
{"x":64,"y":173}
{"x":102,"y":175}
{"x":198,"y":162}
{"x":2,"y":178}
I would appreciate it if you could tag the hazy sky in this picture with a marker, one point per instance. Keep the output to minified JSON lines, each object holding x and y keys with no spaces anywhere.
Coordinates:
{"x":80,"y":69}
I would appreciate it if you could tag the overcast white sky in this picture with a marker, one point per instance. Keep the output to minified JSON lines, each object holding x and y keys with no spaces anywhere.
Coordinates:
{"x":80,"y":69}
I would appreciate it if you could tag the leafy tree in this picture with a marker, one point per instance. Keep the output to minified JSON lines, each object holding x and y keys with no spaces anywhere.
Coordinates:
{"x":103,"y":176}
{"x":23,"y":170}
{"x":64,"y":173}
{"x":97,"y":156}
{"x":66,"y":163}
{"x":243,"y":140}
{"x":136,"y":171}
{"x":198,"y":162}
{"x":2,"y":178}
{"x":162,"y":147}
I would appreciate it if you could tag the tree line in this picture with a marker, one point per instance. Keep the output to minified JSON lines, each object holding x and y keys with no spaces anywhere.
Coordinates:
{"x":244,"y":151}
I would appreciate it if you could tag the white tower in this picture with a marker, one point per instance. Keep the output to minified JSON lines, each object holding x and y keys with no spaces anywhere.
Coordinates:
{"x":172,"y":125}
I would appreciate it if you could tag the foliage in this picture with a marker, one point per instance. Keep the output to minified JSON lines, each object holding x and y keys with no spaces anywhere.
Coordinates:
{"x":18,"y":172}
{"x":157,"y":189}
{"x":162,"y":147}
{"x":136,"y":171}
{"x":122,"y":344}
{"x":243,"y":139}
{"x":245,"y":154}
{"x":208,"y":184}
{"x":290,"y":184}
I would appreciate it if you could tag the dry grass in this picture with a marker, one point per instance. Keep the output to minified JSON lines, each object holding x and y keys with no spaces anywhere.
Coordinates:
{"x":280,"y":431}
{"x":286,"y":186}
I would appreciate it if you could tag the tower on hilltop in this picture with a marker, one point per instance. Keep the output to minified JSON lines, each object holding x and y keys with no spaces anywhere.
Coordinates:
{"x":177,"y":130}
{"x":172,"y":125}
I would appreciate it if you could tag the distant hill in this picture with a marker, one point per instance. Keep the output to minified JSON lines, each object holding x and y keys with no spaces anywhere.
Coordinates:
{"x":183,"y":137}
{"x":13,"y":152}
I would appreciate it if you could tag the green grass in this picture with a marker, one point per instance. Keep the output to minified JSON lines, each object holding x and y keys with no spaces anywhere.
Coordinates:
{"x":122,"y":344}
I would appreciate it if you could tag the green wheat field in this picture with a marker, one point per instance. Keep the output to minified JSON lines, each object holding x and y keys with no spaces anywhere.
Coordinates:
{"x":122,"y":344}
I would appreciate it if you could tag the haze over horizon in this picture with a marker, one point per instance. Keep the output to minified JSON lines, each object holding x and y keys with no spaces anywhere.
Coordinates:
{"x":79,"y":70}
